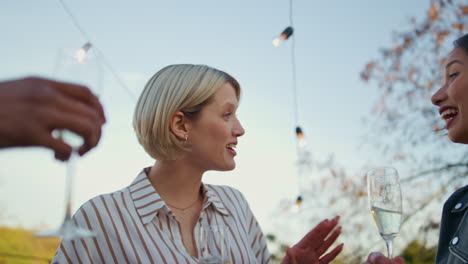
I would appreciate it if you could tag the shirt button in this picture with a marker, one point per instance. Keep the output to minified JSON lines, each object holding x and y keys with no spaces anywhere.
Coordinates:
{"x":458,"y":206}
{"x":454,"y":240}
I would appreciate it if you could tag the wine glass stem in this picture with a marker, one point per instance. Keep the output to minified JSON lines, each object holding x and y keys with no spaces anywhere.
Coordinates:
{"x":69,"y":184}
{"x":389,"y":243}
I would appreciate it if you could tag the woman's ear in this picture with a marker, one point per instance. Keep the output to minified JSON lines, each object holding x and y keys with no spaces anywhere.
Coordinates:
{"x":178,"y":125}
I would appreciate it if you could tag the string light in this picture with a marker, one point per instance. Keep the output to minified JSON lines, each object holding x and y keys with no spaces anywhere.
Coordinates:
{"x":303,"y":154}
{"x":80,"y":54}
{"x":287,"y":32}
{"x":99,"y":55}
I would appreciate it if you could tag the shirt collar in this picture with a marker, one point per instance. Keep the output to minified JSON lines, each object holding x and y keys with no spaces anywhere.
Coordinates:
{"x":212,"y":198}
{"x":145,"y":198}
{"x":148,"y":203}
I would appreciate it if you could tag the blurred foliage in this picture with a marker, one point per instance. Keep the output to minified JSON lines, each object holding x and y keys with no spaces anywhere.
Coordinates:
{"x":20,"y":246}
{"x":417,"y":253}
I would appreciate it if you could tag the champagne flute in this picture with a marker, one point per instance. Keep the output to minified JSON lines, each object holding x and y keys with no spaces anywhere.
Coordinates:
{"x":383,"y":185}
{"x":213,"y":245}
{"x":75,"y":65}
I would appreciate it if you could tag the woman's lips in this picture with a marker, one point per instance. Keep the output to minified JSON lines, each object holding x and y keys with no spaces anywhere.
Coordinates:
{"x":449,"y":121}
{"x":449,"y":114}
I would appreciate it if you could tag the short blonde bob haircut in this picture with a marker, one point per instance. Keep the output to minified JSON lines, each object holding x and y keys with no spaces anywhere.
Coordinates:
{"x":180,"y":87}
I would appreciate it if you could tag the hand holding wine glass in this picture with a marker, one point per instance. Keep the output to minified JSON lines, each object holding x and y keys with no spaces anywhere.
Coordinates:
{"x":385,"y":203}
{"x":32,"y":107}
{"x":78,"y":66}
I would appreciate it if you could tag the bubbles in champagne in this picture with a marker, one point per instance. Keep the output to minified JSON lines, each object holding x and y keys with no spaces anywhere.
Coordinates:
{"x":388,"y":222}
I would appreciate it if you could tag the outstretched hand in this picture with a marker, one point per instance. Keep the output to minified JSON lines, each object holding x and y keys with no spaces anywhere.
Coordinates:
{"x":31,"y":108}
{"x":378,"y":258}
{"x":314,"y":244}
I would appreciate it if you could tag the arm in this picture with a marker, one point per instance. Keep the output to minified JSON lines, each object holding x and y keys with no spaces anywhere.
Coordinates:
{"x":31,"y":108}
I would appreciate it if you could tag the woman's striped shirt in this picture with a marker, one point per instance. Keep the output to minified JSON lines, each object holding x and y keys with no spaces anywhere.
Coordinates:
{"x":134,"y":225}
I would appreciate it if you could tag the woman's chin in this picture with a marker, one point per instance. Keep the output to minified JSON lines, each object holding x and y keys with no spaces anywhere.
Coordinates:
{"x":229,"y":167}
{"x":461,"y":138}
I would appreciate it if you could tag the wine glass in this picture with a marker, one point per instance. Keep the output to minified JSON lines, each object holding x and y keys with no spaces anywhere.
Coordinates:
{"x":213,"y":245}
{"x":383,"y":186}
{"x":80,"y":66}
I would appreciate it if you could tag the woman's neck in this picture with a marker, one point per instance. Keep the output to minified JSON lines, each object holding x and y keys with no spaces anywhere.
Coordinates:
{"x":177,"y":183}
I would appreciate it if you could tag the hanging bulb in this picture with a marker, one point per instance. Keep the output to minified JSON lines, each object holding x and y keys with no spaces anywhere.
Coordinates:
{"x":80,"y":54}
{"x":299,"y":133}
{"x":299,"y":200}
{"x":287,"y":32}
{"x":301,"y":142}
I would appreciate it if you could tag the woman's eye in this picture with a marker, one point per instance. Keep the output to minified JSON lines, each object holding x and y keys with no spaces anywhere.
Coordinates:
{"x":453,"y":75}
{"x":227,"y":114}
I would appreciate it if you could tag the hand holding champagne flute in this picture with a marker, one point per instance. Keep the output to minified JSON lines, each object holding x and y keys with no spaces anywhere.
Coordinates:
{"x":78,"y":66}
{"x":385,"y":202}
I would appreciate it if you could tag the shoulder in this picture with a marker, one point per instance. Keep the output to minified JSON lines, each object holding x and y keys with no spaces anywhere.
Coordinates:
{"x":95,"y":206}
{"x":461,"y":193}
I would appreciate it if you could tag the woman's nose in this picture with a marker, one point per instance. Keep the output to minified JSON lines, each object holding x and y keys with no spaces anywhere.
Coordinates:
{"x":439,"y":96}
{"x":239,"y":129}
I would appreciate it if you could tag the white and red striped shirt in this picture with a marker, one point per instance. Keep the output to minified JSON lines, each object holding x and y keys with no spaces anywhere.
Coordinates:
{"x":134,"y":225}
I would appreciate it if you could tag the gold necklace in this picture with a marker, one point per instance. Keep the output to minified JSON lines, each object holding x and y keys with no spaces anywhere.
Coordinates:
{"x":185,"y":208}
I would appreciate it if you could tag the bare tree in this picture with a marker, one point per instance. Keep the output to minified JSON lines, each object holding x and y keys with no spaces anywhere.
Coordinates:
{"x":411,"y":132}
{"x":410,"y":136}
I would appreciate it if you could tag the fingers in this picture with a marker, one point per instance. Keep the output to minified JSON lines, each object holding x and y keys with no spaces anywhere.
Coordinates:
{"x":61,"y":149}
{"x":33,"y":107}
{"x":378,"y":258}
{"x":315,"y":237}
{"x":329,"y":241}
{"x":290,"y":254}
{"x":79,"y":118}
{"x":79,"y":93}
{"x":331,"y":255}
{"x":87,"y":128}
{"x":90,"y":144}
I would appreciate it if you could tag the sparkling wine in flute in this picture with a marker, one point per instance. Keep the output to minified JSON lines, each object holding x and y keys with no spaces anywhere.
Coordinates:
{"x":388,"y":222}
{"x":385,"y":199}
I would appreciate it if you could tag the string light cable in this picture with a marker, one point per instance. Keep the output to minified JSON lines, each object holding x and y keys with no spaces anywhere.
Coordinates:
{"x":99,"y":54}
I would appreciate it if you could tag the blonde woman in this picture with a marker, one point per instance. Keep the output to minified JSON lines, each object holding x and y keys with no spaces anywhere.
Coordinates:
{"x":186,"y":120}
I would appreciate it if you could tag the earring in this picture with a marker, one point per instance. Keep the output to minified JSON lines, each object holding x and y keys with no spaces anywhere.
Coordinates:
{"x":186,"y":138}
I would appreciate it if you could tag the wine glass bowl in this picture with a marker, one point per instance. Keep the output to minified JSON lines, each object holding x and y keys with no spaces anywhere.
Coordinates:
{"x":385,"y":199}
{"x":213,"y":245}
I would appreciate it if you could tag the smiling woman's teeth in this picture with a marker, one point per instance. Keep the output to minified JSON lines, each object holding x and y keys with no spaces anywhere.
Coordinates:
{"x":448,"y":114}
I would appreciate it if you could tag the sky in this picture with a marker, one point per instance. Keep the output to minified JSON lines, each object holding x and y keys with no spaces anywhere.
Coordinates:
{"x":333,"y":41}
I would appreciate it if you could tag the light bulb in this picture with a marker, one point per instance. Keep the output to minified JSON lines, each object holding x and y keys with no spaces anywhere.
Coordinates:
{"x":80,"y":54}
{"x":287,"y":32}
{"x":277,"y":42}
